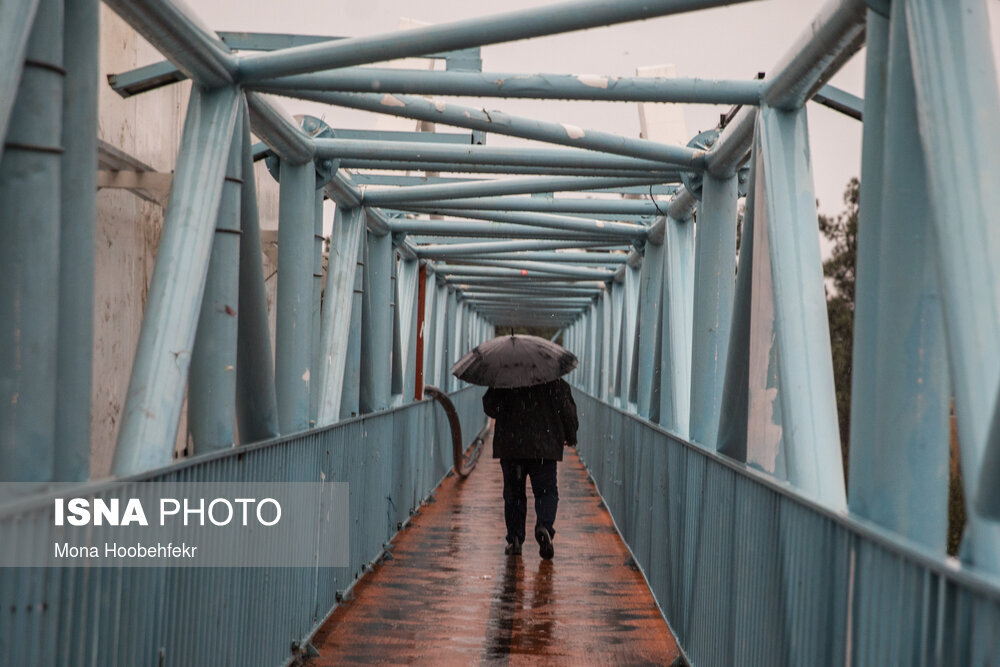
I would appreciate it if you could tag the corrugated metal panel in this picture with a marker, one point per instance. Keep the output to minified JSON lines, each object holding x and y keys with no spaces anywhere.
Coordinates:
{"x":749,"y":572}
{"x":107,"y":617}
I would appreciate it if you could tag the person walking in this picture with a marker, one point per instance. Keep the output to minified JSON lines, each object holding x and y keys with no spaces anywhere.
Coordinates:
{"x":532,"y":426}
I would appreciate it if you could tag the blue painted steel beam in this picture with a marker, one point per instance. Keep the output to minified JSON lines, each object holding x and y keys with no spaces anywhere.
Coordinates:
{"x":561,"y":222}
{"x":472,"y":292}
{"x":350,"y":394}
{"x":493,"y":247}
{"x":396,"y":344}
{"x":805,"y":371}
{"x":156,"y":388}
{"x":460,"y":272}
{"x":399,"y":180}
{"x":714,"y":285}
{"x":480,"y":31}
{"x":150,"y":77}
{"x":676,"y":326}
{"x":198,"y":53}
{"x":78,"y":214}
{"x":641,"y":207}
{"x":650,"y":322}
{"x":212,"y":382}
{"x":406,"y":303}
{"x":16,"y":19}
{"x":412,"y":151}
{"x":527,"y":300}
{"x":345,"y":243}
{"x":293,"y":332}
{"x":455,"y":138}
{"x":448,"y":354}
{"x":493,"y":168}
{"x":541,"y":267}
{"x":488,"y":188}
{"x":731,"y":434}
{"x":840,"y":100}
{"x":29,"y":273}
{"x":499,"y":122}
{"x":279,"y":131}
{"x":283,"y":135}
{"x":955,"y":82}
{"x":600,"y":258}
{"x":532,"y":86}
{"x":459,"y":229}
{"x":831,"y":38}
{"x":899,"y":458}
{"x":256,"y":401}
{"x":540,"y":308}
{"x":516,"y":282}
{"x":376,"y":325}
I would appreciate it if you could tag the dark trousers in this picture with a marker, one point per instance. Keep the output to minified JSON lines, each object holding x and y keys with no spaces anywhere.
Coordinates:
{"x":543,"y":486}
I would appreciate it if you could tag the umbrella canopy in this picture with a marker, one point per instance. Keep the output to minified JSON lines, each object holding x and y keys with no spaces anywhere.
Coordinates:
{"x":514,"y":361}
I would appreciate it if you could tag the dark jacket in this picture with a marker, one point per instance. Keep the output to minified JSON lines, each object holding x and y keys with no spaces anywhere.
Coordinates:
{"x":532,"y":422}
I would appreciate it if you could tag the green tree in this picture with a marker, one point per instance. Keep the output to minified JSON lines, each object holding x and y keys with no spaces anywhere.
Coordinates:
{"x":839,"y":269}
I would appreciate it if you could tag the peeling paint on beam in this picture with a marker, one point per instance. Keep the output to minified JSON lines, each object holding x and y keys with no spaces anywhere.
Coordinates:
{"x":532,"y":86}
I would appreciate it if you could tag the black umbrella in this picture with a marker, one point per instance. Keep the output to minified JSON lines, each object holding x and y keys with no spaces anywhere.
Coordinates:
{"x":514,"y":361}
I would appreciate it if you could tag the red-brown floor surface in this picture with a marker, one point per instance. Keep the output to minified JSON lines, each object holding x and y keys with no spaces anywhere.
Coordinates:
{"x":451,"y":596}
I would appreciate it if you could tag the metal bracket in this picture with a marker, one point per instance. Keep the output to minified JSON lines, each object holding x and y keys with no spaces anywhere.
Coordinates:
{"x":325,"y":167}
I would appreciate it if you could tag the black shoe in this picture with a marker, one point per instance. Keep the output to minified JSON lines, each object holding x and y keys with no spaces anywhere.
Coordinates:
{"x":513,"y":548}
{"x":545,"y":548}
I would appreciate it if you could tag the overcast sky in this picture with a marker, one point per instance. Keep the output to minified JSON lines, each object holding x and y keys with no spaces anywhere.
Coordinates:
{"x":731,"y":42}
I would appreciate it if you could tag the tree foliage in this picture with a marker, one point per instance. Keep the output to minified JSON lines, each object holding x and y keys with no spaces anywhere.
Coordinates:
{"x":839,"y":269}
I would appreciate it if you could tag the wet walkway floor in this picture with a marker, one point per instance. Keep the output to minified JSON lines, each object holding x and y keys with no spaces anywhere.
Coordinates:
{"x":451,"y":596}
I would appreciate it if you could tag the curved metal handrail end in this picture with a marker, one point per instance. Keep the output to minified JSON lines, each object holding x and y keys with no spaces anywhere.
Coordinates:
{"x":464,"y":461}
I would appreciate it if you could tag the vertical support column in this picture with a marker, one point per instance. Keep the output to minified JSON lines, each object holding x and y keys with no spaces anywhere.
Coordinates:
{"x":212,"y":384}
{"x":396,"y":361}
{"x":338,"y":312}
{"x":409,"y":301}
{"x":764,"y":446}
{"x":293,"y":335}
{"x":955,"y":82}
{"x":733,"y":412}
{"x":651,"y":300}
{"x":899,"y":453}
{"x":16,"y":20}
{"x":256,"y":402}
{"x":805,"y":370}
{"x":421,"y":331}
{"x":614,"y":356}
{"x":433,"y":325}
{"x":593,"y":349}
{"x":678,"y":306}
{"x":317,"y":309}
{"x":351,"y":392}
{"x":864,"y":354}
{"x":607,"y":363}
{"x":78,"y":213}
{"x":714,"y":283}
{"x":159,"y":374}
{"x":376,"y":325}
{"x":630,"y":320}
{"x":29,"y":317}
{"x":450,"y":339}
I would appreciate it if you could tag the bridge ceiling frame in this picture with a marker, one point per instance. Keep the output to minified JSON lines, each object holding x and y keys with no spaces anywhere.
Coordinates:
{"x":651,"y":301}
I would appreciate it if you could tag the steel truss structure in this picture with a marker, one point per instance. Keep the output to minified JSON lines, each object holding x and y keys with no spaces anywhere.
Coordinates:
{"x":728,"y":352}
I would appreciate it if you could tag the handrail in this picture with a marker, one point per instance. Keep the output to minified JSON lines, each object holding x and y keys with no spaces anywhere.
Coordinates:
{"x":464,"y":461}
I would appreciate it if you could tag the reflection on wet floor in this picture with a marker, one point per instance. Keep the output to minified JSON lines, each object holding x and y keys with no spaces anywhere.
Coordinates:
{"x":451,"y":596}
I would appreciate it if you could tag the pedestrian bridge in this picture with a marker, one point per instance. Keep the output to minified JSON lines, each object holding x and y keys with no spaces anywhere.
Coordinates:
{"x":705,"y":387}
